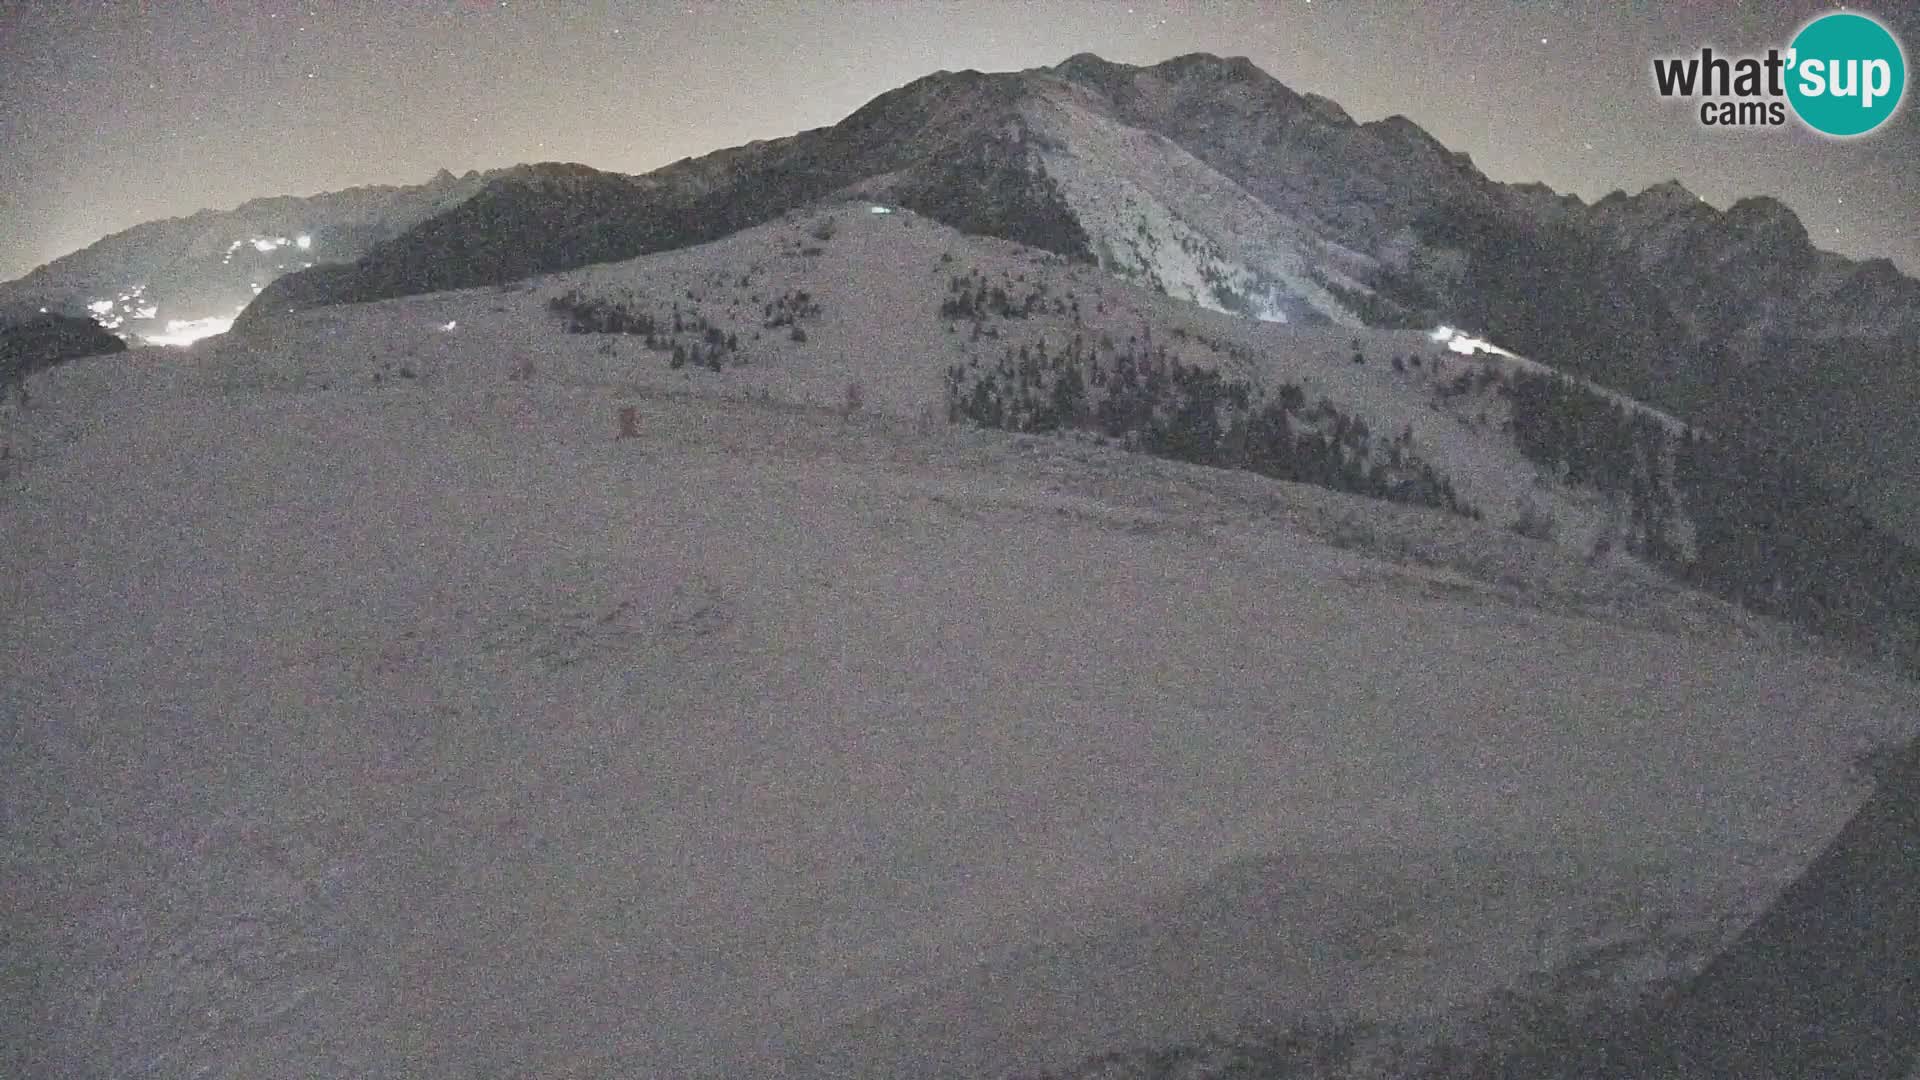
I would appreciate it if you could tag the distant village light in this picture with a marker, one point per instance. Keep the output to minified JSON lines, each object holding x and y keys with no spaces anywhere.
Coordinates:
{"x":181,"y":332}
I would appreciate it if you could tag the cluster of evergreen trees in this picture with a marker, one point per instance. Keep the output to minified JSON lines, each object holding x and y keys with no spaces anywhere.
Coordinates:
{"x":1769,"y":534}
{"x":588,"y":315}
{"x":1773,"y":538}
{"x":1194,"y":414}
{"x":789,"y":308}
{"x":1766,"y":533}
{"x":1221,"y":287}
{"x":1466,"y":382}
{"x":1589,"y":439}
{"x":971,"y":298}
{"x":708,"y":347}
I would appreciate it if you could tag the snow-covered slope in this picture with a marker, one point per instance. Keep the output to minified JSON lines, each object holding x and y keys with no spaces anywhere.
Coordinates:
{"x":373,"y":708}
{"x":879,"y":281}
{"x":1210,"y":179}
{"x":1201,"y":175}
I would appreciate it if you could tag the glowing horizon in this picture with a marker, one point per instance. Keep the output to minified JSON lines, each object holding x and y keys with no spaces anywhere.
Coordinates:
{"x":187,"y":331}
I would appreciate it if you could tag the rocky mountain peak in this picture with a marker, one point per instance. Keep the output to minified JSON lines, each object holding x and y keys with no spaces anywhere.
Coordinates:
{"x":1662,"y":208}
{"x":1329,"y":111}
{"x":1201,"y":175}
{"x":1768,"y":218}
{"x":1208,"y":65}
{"x":1668,"y":194}
{"x":1090,"y":68}
{"x":1402,"y":132}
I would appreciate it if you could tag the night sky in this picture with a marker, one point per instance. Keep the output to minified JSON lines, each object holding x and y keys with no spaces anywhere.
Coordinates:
{"x":116,"y":113}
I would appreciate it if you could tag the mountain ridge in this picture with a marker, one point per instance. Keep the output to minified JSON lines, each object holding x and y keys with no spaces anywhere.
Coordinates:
{"x":1207,"y":178}
{"x":1288,"y":149}
{"x":1159,"y":746}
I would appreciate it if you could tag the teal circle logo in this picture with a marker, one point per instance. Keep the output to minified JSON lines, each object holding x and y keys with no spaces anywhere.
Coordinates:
{"x":1846,"y":74}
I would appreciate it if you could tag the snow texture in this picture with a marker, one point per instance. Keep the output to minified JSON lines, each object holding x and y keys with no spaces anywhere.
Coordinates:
{"x":416,"y":725}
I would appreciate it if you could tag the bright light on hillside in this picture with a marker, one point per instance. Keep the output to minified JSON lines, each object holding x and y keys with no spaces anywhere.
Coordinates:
{"x":303,"y":242}
{"x":1464,"y":344}
{"x":188,"y":331}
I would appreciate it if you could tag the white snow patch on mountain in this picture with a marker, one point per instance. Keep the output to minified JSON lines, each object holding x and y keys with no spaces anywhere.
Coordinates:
{"x":1223,"y":249}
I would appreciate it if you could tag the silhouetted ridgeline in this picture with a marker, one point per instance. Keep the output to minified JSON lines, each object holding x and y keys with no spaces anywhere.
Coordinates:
{"x":1732,"y":318}
{"x":935,"y":137}
{"x":37,"y":341}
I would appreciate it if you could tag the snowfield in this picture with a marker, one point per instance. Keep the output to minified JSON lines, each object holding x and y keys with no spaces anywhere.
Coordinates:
{"x":879,"y":281}
{"x":420,"y":727}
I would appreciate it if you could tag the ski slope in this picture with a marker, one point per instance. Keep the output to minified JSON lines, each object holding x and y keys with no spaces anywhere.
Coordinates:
{"x":422,"y":727}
